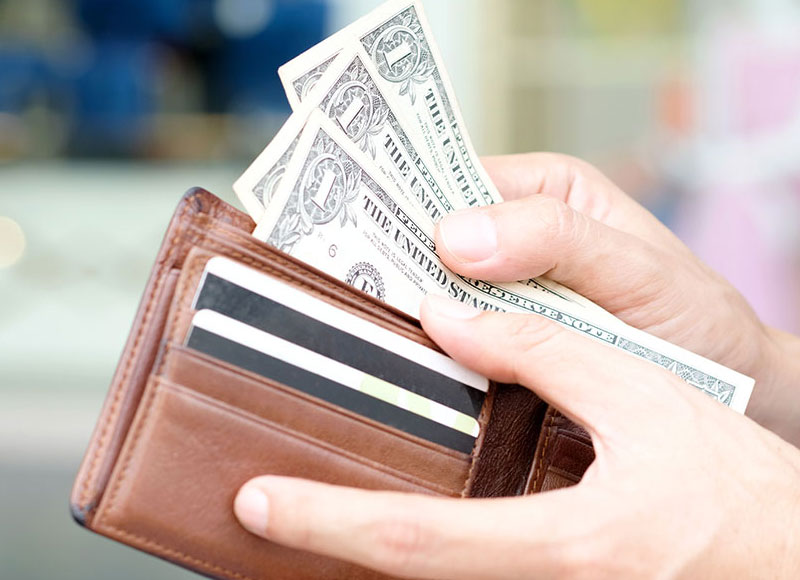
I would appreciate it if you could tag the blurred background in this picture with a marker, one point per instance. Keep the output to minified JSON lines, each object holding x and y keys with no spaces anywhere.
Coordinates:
{"x":109,"y":110}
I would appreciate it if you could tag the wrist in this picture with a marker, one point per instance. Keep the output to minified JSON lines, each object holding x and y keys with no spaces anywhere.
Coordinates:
{"x":775,"y":402}
{"x":783,"y":374}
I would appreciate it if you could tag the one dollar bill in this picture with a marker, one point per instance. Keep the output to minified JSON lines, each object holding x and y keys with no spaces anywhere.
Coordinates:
{"x":333,"y":210}
{"x":403,"y":63}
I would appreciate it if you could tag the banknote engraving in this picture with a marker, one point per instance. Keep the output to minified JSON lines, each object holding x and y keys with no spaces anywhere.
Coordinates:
{"x":266,"y":187}
{"x":405,"y":29}
{"x":352,"y":99}
{"x":360,"y":115}
{"x":365,"y":277}
{"x":304,"y":84}
{"x":325,"y":190}
{"x":711,"y":386}
{"x":357,"y":105}
{"x":401,"y":54}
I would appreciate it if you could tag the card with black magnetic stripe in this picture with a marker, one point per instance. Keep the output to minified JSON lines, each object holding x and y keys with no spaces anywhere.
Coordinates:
{"x":310,"y":383}
{"x":225,"y":297}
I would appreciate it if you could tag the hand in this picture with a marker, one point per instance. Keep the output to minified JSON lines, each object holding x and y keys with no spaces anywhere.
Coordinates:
{"x":563,"y":219}
{"x":681,"y":485}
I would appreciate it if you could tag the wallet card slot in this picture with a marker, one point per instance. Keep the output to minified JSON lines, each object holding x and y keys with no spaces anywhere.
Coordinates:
{"x":455,"y":476}
{"x":187,"y":456}
{"x":243,"y":247}
{"x":445,"y":469}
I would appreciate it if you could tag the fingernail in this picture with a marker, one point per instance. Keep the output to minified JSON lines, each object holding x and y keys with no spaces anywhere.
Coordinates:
{"x":448,"y":308}
{"x":251,"y":507}
{"x":469,"y":235}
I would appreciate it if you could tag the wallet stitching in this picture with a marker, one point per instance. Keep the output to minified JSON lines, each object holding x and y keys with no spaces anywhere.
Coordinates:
{"x":177,"y":554}
{"x":470,"y":473}
{"x":179,"y":307}
{"x":305,"y":438}
{"x":290,"y":391}
{"x":146,"y":418}
{"x":118,"y":394}
{"x":549,"y":429}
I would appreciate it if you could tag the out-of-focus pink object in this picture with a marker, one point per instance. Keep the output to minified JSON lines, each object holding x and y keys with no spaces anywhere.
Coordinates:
{"x":726,"y":231}
{"x":765,"y":78}
{"x":744,"y":218}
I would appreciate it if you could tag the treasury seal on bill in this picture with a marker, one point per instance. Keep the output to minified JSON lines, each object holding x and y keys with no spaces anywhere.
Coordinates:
{"x":365,"y":277}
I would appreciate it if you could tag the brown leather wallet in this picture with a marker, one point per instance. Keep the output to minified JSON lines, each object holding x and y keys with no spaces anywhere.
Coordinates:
{"x":180,"y":432}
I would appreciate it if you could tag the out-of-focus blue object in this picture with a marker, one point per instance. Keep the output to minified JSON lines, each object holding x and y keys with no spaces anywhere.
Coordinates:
{"x":23,"y":74}
{"x":156,"y":20}
{"x":233,"y":47}
{"x":114,"y":97}
{"x":244,"y":69}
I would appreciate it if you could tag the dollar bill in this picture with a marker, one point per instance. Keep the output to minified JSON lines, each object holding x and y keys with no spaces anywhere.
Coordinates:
{"x":403,"y":62}
{"x":300,"y":76}
{"x":397,"y":38}
{"x":257,"y":185}
{"x":349,"y":95}
{"x":334,"y":211}
{"x":264,"y":177}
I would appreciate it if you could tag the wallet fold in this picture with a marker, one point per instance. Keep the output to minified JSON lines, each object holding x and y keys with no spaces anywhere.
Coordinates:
{"x":181,"y":431}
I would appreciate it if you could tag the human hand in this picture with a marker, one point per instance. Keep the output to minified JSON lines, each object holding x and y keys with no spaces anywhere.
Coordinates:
{"x":681,"y":485}
{"x":565,"y":220}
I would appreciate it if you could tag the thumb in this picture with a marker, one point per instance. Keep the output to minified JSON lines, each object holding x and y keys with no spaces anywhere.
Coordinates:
{"x":540,"y":235}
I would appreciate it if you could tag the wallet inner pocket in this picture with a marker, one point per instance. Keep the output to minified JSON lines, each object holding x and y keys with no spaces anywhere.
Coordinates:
{"x":244,"y":248}
{"x":188,"y":455}
{"x":443,"y":469}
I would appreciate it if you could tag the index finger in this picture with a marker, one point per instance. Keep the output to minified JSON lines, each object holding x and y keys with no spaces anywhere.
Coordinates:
{"x":416,"y":535}
{"x":598,"y":386}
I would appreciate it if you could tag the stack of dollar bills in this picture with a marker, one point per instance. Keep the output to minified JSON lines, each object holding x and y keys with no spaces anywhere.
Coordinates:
{"x":374,"y":154}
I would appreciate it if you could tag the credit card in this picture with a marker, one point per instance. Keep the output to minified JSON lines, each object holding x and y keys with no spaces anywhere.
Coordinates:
{"x":310,"y":372}
{"x":272,"y":306}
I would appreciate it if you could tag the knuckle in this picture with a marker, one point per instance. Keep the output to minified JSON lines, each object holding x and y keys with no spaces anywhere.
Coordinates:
{"x":654,"y":270}
{"x":531,"y":332}
{"x":528,"y":336}
{"x":399,"y":543}
{"x":577,"y":168}
{"x":556,"y":219}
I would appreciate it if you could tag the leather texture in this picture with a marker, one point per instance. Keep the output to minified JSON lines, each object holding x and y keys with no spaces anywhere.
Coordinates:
{"x":563,"y":454}
{"x":180,"y":432}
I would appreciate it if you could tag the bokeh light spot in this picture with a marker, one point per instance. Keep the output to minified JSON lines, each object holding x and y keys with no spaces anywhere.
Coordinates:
{"x":242,"y":18}
{"x":12,"y":242}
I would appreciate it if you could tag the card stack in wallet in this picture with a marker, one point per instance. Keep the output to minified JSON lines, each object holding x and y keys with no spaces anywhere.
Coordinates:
{"x":220,"y":382}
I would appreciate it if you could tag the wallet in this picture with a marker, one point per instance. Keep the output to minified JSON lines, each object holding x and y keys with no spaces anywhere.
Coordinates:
{"x":181,"y":431}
